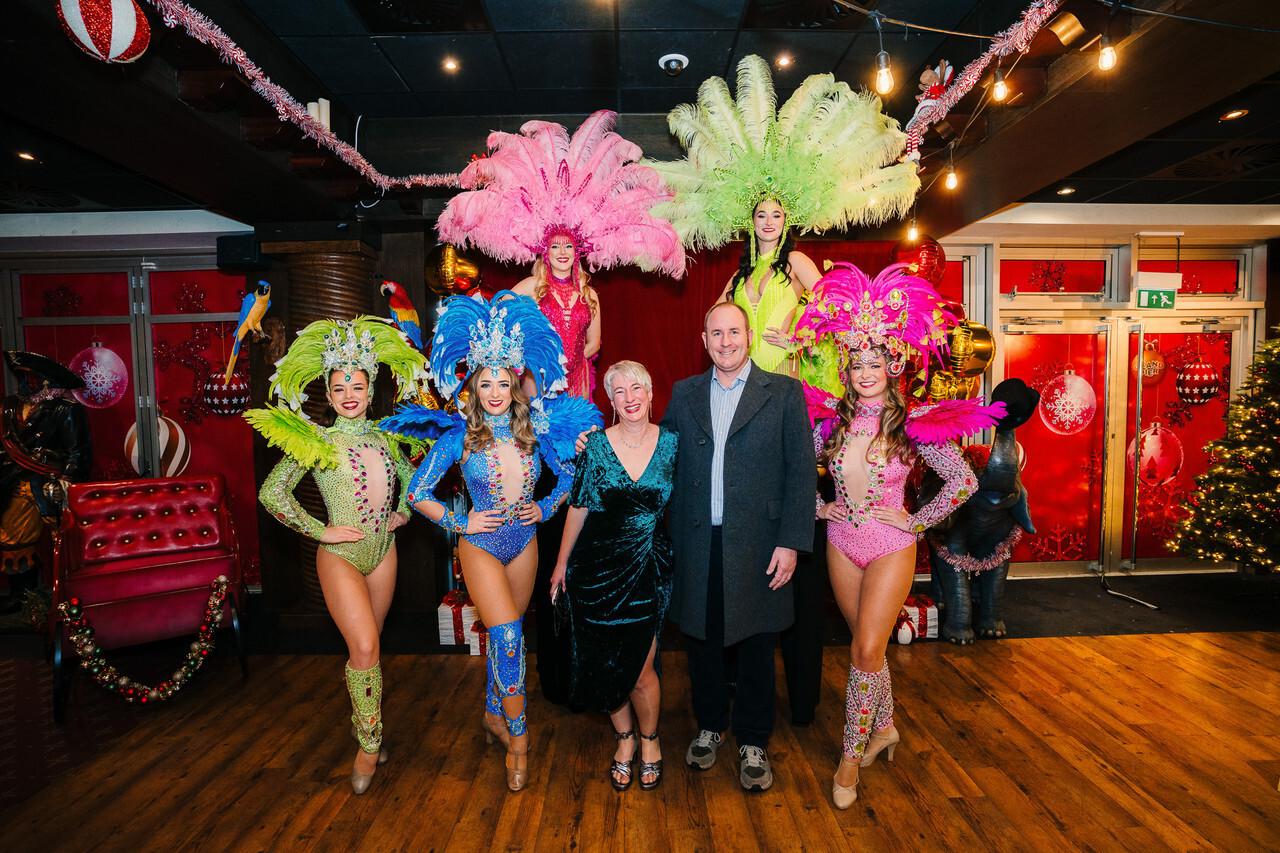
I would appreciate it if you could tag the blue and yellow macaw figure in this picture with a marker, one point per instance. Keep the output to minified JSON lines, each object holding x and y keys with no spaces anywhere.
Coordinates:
{"x":403,"y":315}
{"x":252,"y":309}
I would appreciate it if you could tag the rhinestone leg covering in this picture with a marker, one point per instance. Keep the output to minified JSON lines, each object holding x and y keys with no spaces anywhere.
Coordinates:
{"x":492,"y":702}
{"x":862,"y":700}
{"x":506,"y":655}
{"x":884,"y":715}
{"x":365,"y":687}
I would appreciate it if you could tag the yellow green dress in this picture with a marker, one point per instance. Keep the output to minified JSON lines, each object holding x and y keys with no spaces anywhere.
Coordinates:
{"x":777,"y":309}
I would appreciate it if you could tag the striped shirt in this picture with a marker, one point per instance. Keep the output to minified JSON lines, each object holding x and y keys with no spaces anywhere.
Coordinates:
{"x":724,"y":403}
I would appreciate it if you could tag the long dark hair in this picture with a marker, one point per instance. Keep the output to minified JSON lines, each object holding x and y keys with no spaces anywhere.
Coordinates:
{"x":746,"y":264}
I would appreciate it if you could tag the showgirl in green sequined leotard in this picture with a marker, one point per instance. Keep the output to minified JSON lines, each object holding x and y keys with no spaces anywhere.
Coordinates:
{"x":356,"y":466}
{"x":357,"y":493}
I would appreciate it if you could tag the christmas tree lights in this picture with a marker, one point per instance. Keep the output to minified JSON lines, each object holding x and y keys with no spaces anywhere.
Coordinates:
{"x":1235,"y":512}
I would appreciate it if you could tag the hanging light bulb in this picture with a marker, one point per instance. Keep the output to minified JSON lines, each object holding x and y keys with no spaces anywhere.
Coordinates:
{"x":1000,"y":90}
{"x":1107,"y":57}
{"x":952,"y":180}
{"x":913,"y":233}
{"x":884,"y":74}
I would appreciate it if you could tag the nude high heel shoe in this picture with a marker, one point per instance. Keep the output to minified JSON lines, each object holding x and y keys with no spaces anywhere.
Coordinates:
{"x":517,"y":778}
{"x":885,"y":742}
{"x":844,"y":797}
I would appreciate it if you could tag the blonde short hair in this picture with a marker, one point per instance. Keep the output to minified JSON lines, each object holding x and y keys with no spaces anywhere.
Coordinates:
{"x":630,"y":369}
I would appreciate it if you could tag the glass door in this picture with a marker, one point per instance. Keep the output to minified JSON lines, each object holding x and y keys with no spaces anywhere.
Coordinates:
{"x":1064,"y":444}
{"x":1177,"y":388}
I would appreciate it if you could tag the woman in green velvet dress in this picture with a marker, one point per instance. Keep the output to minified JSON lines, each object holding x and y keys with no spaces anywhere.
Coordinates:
{"x":614,"y":571}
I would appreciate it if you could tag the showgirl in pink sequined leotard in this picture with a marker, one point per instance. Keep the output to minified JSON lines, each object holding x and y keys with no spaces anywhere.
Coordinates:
{"x":570,"y":315}
{"x":861,"y":463}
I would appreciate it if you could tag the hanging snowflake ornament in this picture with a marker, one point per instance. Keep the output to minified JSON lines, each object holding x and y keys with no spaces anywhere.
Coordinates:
{"x":1067,"y":403}
{"x":106,"y":379}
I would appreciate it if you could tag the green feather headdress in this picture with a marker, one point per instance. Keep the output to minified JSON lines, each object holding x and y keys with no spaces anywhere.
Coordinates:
{"x":359,"y":344}
{"x":827,"y":157}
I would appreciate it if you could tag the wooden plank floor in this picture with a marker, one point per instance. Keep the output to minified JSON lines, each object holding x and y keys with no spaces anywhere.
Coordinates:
{"x":1105,"y":743}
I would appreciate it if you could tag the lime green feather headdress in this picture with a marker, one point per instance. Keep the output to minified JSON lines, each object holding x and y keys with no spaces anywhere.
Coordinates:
{"x":827,"y":157}
{"x":347,"y":345}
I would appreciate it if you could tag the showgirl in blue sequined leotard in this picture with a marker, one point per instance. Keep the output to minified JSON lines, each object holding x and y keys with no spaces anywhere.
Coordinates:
{"x":489,"y":490}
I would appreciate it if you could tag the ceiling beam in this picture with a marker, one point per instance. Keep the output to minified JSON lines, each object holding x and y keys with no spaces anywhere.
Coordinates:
{"x":1168,"y":70}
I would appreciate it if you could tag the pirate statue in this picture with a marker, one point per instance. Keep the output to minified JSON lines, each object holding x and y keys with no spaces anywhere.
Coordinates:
{"x":44,"y":444}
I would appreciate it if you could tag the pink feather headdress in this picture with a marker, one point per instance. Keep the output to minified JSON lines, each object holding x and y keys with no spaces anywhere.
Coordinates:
{"x":899,"y":313}
{"x":539,"y":183}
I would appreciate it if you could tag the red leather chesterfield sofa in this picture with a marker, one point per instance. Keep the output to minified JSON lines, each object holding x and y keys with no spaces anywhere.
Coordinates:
{"x":141,"y":555}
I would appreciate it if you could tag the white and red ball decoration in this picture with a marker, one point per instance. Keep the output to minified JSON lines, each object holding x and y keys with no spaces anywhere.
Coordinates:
{"x":1160,"y":458}
{"x":1150,"y":365}
{"x":1067,"y":403}
{"x":175,"y":451}
{"x":226,"y":398}
{"x":905,"y":631}
{"x":109,"y":30}
{"x":106,"y":379}
{"x":1198,"y":382}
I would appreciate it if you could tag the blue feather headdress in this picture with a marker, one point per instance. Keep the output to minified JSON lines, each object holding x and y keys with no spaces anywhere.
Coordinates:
{"x":508,"y":331}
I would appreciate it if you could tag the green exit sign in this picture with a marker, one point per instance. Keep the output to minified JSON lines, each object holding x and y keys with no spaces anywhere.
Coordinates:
{"x":1157,"y":290}
{"x":1157,"y":298}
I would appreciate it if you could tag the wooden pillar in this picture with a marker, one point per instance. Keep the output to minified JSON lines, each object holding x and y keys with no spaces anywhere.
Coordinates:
{"x":328,"y":280}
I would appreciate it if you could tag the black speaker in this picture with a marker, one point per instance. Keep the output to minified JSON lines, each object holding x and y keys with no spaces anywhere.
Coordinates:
{"x":240,"y":252}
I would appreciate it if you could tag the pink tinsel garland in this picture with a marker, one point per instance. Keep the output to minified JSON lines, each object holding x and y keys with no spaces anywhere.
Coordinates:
{"x":966,"y":563}
{"x":203,"y":30}
{"x":1015,"y":39}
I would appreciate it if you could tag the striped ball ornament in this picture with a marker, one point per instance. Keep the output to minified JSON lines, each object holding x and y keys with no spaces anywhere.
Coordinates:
{"x":1198,"y":383}
{"x":109,"y":30}
{"x":175,"y":450}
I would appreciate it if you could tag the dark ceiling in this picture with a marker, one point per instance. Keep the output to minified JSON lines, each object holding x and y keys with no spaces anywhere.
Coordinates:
{"x":575,"y":56}
{"x":1202,"y":159}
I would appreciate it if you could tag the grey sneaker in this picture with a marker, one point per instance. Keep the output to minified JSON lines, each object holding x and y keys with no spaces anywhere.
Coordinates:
{"x":754,"y":772}
{"x":702,"y":750}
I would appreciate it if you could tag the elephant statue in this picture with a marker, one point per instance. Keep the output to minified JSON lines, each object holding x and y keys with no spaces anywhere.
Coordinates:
{"x":972,"y":546}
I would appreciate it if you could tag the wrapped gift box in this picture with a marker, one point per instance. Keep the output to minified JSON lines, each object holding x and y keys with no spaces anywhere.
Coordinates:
{"x":456,"y":614}
{"x":478,"y":639}
{"x":923,"y":613}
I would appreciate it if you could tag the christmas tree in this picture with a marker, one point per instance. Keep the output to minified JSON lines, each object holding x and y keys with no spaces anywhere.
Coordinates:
{"x":1235,"y":512}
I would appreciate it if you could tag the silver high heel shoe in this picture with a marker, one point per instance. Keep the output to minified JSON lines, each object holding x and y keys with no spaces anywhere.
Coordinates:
{"x":382,"y":753}
{"x":878,"y":743}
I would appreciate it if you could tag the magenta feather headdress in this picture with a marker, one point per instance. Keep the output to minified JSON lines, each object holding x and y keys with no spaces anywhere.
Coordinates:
{"x":538,"y":183}
{"x":899,"y":313}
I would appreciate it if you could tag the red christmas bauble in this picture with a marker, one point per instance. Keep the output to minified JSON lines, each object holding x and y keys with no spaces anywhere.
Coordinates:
{"x":106,"y":378}
{"x":1198,"y":382}
{"x":1067,"y":403}
{"x":1150,"y":365}
{"x":1160,"y":458}
{"x":109,"y":30}
{"x":226,"y":398}
{"x":925,"y":256}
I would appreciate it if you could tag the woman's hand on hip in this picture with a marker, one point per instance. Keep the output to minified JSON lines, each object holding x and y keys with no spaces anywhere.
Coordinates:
{"x":341,"y":533}
{"x":892,"y":516}
{"x":483,"y":521}
{"x":530,"y":513}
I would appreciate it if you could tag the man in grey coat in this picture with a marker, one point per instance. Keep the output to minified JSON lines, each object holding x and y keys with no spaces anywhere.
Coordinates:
{"x":742,"y":506}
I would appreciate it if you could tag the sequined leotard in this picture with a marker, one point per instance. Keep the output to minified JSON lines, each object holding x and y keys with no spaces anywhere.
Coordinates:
{"x":571,"y":324}
{"x":358,"y":491}
{"x":852,"y":529}
{"x":482,"y":471}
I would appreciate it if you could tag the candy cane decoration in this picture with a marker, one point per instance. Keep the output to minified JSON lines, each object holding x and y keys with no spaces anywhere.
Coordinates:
{"x":1015,"y":39}
{"x":175,"y":13}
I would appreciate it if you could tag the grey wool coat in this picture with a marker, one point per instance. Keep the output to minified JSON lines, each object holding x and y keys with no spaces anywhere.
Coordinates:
{"x":769,"y":485}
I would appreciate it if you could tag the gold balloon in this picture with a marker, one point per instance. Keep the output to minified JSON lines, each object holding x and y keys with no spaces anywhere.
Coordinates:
{"x":944,"y":385}
{"x":972,"y":349}
{"x":448,"y":273}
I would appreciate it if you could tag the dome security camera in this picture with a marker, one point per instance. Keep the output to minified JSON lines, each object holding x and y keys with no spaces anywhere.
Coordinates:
{"x":673,"y":64}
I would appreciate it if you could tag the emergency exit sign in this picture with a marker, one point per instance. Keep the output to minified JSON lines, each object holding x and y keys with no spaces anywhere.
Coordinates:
{"x":1158,"y":290}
